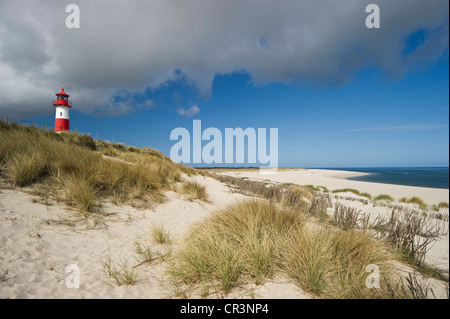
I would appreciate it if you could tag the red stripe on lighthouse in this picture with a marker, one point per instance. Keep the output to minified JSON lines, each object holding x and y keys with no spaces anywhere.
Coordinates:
{"x":61,"y":125}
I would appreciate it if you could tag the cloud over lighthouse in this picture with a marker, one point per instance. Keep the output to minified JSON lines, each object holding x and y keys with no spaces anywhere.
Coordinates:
{"x":62,"y":105}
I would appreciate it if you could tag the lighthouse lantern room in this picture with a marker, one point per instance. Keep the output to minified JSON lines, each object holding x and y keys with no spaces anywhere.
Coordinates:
{"x":62,"y":105}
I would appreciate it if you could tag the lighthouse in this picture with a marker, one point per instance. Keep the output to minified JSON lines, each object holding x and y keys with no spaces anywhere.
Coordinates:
{"x":62,"y":105}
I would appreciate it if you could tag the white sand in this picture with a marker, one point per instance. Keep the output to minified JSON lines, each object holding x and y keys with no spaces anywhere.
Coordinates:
{"x":37,"y":242}
{"x":36,"y":248}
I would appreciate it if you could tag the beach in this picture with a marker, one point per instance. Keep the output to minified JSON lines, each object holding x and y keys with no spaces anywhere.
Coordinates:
{"x":39,"y":241}
{"x":336,"y":179}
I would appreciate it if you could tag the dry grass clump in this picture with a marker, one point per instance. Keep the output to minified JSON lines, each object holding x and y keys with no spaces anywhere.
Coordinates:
{"x":241,"y":241}
{"x":333,"y":264}
{"x":25,"y":169}
{"x":160,"y":235}
{"x":80,"y":191}
{"x":194,"y":190}
{"x":69,"y":163}
{"x":253,"y":240}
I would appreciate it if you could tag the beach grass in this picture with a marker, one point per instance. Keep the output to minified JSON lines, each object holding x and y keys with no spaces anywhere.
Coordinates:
{"x":366,"y":195}
{"x":253,"y":240}
{"x":443,"y":205}
{"x":143,"y":250}
{"x":347,"y":190}
{"x":415,"y":200}
{"x":332,"y":264}
{"x":80,"y":191}
{"x":119,"y":273}
{"x":194,"y":190}
{"x":354,"y":191}
{"x":160,"y":235}
{"x":25,"y":169}
{"x":384,"y":197}
{"x":83,"y":171}
{"x":312,"y":187}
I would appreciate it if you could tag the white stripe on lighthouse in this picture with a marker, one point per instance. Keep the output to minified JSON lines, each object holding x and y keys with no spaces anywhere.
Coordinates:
{"x":62,"y":112}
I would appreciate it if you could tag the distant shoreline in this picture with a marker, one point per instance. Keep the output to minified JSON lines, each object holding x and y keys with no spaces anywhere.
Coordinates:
{"x":338,"y":179}
{"x":427,"y":177}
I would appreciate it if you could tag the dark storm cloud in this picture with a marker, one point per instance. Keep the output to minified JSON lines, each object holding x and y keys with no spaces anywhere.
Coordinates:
{"x":133,"y":45}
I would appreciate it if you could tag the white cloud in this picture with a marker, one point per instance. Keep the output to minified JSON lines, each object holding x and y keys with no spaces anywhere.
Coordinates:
{"x":133,"y":45}
{"x":190,"y":112}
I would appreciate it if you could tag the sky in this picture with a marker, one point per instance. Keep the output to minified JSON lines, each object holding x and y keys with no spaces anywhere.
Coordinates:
{"x":340,"y":94}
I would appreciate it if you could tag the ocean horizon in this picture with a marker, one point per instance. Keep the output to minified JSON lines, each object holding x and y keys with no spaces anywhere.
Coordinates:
{"x":433,"y":177}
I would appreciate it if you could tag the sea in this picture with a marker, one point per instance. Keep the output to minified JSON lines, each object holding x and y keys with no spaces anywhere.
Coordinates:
{"x":434,"y":177}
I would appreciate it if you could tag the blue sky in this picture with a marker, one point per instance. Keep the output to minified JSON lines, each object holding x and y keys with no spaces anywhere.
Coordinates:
{"x":371,"y":121}
{"x":340,"y":94}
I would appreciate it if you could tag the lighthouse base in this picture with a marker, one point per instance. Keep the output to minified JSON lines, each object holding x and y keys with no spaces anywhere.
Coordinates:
{"x":61,"y":125}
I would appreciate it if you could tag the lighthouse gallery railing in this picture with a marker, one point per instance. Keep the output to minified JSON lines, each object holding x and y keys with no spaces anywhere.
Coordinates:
{"x":68,"y":103}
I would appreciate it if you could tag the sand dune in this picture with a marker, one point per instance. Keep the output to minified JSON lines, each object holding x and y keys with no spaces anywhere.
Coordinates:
{"x":38,"y":242}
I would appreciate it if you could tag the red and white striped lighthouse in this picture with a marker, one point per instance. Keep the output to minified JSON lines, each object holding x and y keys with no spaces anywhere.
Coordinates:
{"x":62,"y":105}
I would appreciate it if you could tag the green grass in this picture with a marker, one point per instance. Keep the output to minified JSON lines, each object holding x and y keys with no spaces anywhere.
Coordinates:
{"x":415,"y":200}
{"x":120,"y":274}
{"x":347,"y":190}
{"x":325,"y":190}
{"x":312,"y":187}
{"x":316,"y":188}
{"x":144,"y":251}
{"x":443,"y":205}
{"x":254,"y":240}
{"x":384,"y":197}
{"x":366,"y":195}
{"x":288,"y":184}
{"x":354,"y":191}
